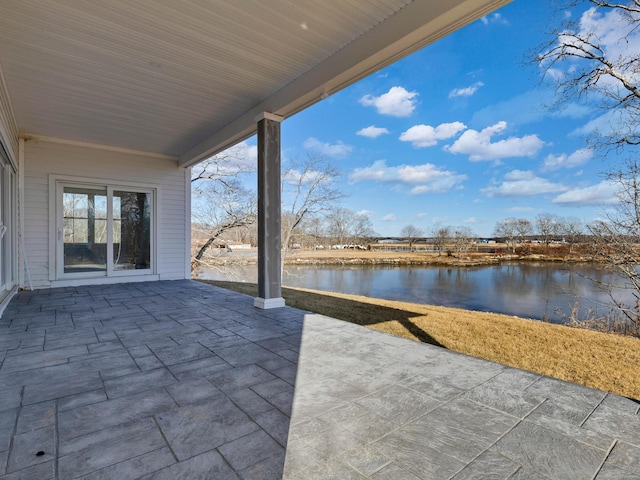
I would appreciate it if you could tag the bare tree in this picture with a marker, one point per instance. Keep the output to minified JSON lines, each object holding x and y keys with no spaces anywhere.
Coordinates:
{"x":590,"y":58}
{"x":441,"y":237}
{"x":314,"y":228}
{"x":363,"y":229}
{"x":223,"y":207}
{"x":595,"y":59}
{"x":346,"y":226}
{"x":411,"y":233}
{"x":571,"y":228}
{"x":507,"y":229}
{"x":463,"y":239}
{"x":308,"y":188}
{"x":340,"y":223}
{"x":524,"y":229}
{"x":615,"y":239}
{"x":221,"y":202}
{"x":547,"y":227}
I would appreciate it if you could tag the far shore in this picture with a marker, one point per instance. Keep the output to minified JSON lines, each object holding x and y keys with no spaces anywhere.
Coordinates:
{"x":391,"y":257}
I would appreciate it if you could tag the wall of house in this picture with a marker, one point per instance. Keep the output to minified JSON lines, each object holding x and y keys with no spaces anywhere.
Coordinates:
{"x":45,"y":158}
{"x":8,"y":125}
{"x":9,"y":142}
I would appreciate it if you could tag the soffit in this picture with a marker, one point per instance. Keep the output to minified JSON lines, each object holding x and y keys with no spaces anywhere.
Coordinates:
{"x":184,"y":78}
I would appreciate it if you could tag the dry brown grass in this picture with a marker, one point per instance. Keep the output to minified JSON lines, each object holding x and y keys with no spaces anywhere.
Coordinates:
{"x":598,"y":360}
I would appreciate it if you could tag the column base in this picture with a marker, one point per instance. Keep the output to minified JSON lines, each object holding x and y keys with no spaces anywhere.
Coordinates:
{"x":267,"y":303}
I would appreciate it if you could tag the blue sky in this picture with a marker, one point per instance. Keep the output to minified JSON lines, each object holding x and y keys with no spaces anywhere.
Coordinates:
{"x":458,"y":133}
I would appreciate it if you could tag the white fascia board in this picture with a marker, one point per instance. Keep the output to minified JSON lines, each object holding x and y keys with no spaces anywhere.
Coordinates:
{"x":415,"y":26}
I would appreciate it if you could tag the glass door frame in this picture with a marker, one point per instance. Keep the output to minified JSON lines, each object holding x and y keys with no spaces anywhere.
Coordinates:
{"x":8,"y":235}
{"x":109,"y":187}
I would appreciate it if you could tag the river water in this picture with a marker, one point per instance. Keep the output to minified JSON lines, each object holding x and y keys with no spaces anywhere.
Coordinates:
{"x":529,"y":290}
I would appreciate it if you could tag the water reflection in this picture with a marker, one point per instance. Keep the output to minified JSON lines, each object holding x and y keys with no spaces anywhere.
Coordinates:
{"x":531,"y":290}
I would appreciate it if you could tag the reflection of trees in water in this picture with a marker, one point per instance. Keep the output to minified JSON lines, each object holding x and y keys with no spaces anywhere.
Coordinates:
{"x":525,"y":290}
{"x":595,"y":287}
{"x":451,"y":285}
{"x":334,"y":279}
{"x":537,"y":286}
{"x":514,"y":280}
{"x":412,"y":282}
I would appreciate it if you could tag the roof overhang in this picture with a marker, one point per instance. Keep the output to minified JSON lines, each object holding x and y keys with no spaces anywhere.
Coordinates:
{"x":188,"y":80}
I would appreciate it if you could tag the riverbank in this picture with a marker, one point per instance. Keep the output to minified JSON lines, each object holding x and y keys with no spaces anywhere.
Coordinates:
{"x":598,"y":360}
{"x":378,"y":257}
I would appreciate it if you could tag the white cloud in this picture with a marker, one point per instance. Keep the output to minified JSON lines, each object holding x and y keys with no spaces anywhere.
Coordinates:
{"x":337,"y":150}
{"x":494,"y":18}
{"x":572,"y":110}
{"x":426,"y":178}
{"x":577,"y":158}
{"x":372,"y":131}
{"x":240,"y":158}
{"x":478,"y":145}
{"x":467,"y":91}
{"x":295,"y":177}
{"x":606,"y":124}
{"x":603,"y":193}
{"x":520,"y":110}
{"x":397,"y":102}
{"x":519,"y":209}
{"x":245,"y":151}
{"x":391,"y":217}
{"x":366,"y":213}
{"x":427,"y":136}
{"x":555,"y":73}
{"x":523,"y":183}
{"x":528,"y":107}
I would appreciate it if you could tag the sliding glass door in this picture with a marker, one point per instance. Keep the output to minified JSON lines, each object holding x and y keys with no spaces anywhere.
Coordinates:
{"x":84,"y":229}
{"x":131,"y":230}
{"x":8,"y":222}
{"x":104,"y":231}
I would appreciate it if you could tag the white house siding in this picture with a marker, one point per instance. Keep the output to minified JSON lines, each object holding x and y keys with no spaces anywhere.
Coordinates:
{"x":8,"y":125}
{"x":45,"y":158}
{"x":9,"y":141}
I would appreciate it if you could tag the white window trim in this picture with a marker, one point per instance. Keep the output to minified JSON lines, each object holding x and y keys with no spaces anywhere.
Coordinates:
{"x":57,"y":277}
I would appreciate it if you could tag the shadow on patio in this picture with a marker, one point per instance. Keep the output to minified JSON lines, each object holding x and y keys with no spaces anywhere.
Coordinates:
{"x":169,"y":380}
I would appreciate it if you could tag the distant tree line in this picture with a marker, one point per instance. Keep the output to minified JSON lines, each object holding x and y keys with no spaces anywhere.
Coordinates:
{"x":545,"y":228}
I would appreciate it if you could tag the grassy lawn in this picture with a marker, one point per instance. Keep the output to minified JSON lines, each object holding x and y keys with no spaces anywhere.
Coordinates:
{"x":598,"y":360}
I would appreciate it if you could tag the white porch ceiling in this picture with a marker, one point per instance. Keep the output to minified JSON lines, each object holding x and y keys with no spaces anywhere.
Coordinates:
{"x":187,"y":77}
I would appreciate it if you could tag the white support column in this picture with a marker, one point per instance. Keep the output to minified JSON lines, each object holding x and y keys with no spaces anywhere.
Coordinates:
{"x":269,"y":213}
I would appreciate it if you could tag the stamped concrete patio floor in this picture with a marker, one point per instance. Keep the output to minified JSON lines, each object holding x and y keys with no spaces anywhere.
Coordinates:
{"x":181,"y":380}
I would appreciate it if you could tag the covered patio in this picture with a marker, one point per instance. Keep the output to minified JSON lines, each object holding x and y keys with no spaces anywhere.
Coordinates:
{"x":105,"y":107}
{"x":178,"y":379}
{"x":116,"y":366}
